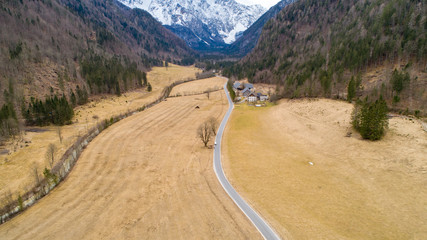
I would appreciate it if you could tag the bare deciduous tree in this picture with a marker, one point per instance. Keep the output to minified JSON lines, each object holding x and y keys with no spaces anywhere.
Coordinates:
{"x":59,"y":132}
{"x":204,"y":132}
{"x":50,"y":154}
{"x":36,"y":173}
{"x":213,"y":123}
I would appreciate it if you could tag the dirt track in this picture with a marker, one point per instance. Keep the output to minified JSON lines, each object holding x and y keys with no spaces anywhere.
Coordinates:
{"x":146,"y":177}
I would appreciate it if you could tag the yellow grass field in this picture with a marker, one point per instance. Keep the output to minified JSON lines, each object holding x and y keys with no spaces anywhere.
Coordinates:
{"x":145,"y":177}
{"x":17,"y":168}
{"x":198,"y":86}
{"x":355,"y":189}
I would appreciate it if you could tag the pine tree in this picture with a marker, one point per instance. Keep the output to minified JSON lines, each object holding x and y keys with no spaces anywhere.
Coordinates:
{"x":73,"y":98}
{"x":351,"y":90}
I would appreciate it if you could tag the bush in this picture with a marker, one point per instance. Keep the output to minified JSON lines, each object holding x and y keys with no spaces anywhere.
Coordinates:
{"x":370,"y":119}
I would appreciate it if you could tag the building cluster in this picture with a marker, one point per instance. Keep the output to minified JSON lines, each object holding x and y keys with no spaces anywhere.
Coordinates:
{"x":247,"y":92}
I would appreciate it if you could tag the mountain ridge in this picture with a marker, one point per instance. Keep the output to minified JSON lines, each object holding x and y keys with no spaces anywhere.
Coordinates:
{"x":204,"y":25}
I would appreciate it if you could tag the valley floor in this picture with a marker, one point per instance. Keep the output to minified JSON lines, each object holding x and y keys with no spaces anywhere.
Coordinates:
{"x":146,"y":177}
{"x":355,"y":189}
{"x":27,"y":154}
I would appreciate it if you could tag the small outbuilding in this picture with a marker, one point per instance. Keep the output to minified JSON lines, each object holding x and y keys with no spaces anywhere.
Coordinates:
{"x":262,"y":97}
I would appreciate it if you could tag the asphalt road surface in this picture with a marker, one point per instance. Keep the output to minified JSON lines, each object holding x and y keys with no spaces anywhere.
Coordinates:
{"x":262,"y":226}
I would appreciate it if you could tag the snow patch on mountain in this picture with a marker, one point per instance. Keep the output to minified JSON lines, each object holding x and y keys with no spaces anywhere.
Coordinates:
{"x":225,"y":17}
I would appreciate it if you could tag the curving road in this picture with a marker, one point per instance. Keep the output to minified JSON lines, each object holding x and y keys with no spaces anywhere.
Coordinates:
{"x":262,"y":226}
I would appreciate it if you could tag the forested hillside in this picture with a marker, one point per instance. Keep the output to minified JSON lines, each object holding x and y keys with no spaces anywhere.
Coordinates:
{"x":69,"y":48}
{"x":44,"y":44}
{"x":315,"y":48}
{"x":244,"y":44}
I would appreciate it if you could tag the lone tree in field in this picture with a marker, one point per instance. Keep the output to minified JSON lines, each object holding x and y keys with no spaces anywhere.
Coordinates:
{"x":59,"y":132}
{"x":36,"y":173}
{"x":204,"y":132}
{"x":50,"y":154}
{"x":213,"y":123}
{"x":370,"y":119}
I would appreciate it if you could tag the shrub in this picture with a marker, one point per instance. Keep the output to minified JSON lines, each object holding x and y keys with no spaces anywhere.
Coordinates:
{"x":370,"y":119}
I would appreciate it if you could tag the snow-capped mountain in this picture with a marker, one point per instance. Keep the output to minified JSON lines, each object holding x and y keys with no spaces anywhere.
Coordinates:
{"x":204,"y":24}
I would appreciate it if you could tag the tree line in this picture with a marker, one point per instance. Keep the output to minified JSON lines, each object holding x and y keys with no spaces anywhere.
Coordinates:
{"x":53,"y":110}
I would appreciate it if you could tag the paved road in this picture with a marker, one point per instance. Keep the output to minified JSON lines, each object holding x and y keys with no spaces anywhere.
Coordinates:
{"x":262,"y":226}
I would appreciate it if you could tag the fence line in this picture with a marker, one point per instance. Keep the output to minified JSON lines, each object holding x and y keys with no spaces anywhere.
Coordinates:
{"x":62,"y":168}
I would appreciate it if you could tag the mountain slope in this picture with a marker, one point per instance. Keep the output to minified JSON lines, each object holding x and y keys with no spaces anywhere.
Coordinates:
{"x":203,"y":24}
{"x":243,"y":45}
{"x":44,"y":43}
{"x":314,"y":48}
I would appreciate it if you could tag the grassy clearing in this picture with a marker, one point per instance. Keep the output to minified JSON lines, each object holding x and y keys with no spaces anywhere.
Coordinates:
{"x":355,"y":189}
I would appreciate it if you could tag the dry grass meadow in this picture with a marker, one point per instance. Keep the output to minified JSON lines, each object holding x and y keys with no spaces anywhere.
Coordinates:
{"x":145,"y":177}
{"x":355,"y":189}
{"x":198,"y":87}
{"x":17,"y":167}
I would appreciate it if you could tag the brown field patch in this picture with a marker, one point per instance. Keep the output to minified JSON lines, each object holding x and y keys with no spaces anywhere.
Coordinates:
{"x":356,"y":189}
{"x":198,"y":87}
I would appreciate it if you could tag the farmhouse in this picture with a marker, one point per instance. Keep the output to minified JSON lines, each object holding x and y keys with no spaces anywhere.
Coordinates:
{"x":252,"y":97}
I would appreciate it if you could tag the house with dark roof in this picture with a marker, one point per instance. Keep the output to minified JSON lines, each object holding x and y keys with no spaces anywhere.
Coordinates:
{"x":249,"y":85}
{"x":246,"y":92}
{"x":236,"y":85}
